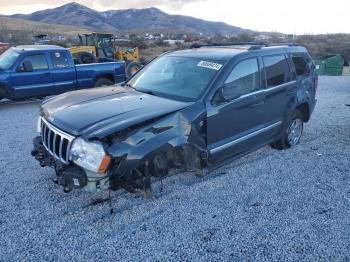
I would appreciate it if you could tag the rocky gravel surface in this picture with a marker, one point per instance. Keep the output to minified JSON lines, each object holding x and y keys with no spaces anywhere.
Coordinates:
{"x":269,"y":205}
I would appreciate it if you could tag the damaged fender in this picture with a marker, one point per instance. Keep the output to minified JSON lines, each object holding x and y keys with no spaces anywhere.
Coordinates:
{"x":180,"y":129}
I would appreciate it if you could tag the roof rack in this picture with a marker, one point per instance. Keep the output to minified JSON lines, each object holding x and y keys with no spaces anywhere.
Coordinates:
{"x":283,"y":44}
{"x":251,"y":45}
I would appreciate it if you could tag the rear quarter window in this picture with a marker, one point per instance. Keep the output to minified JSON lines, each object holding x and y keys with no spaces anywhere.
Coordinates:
{"x":59,"y":59}
{"x":300,"y":65}
{"x":277,"y":71}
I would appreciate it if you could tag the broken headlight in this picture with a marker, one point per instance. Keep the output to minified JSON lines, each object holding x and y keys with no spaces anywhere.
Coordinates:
{"x":89,"y":155}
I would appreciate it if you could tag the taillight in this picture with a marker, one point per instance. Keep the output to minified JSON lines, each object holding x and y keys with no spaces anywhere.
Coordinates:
{"x":315,"y":85}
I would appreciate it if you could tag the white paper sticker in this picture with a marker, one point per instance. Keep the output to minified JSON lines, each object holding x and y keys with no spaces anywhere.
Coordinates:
{"x":317,"y":67}
{"x":210,"y":65}
{"x":76,"y":182}
{"x":57,"y":54}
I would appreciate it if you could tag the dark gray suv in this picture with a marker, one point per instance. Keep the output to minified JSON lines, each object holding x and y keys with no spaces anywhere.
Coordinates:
{"x":185,"y":110}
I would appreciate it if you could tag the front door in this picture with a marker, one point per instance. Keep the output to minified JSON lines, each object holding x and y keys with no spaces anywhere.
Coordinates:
{"x":32,"y":84}
{"x":234,"y":127}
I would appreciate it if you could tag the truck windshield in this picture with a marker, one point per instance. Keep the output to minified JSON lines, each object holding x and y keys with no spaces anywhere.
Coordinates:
{"x":183,"y":78}
{"x":8,"y":58}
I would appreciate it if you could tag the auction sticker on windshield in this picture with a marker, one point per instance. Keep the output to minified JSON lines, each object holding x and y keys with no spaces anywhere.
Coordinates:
{"x":210,"y":65}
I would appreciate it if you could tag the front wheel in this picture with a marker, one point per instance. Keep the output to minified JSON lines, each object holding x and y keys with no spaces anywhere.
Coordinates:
{"x":132,"y":68}
{"x":103,"y":82}
{"x":291,"y":135}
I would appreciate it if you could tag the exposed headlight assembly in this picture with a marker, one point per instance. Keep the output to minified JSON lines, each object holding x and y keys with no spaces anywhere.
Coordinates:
{"x":89,"y":155}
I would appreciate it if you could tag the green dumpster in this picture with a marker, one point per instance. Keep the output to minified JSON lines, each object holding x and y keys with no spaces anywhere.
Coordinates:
{"x":331,"y":65}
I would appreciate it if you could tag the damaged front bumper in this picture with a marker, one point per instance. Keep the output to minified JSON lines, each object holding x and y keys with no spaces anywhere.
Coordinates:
{"x":69,"y":176}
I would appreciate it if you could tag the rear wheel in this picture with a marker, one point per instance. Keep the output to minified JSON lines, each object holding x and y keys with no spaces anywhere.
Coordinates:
{"x":85,"y":58}
{"x":103,"y":82}
{"x":292,"y":133}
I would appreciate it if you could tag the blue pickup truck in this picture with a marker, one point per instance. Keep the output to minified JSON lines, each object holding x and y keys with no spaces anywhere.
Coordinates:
{"x":39,"y":71}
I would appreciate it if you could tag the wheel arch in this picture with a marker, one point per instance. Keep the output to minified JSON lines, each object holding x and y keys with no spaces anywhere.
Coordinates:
{"x":304,"y":110}
{"x":104,"y":76}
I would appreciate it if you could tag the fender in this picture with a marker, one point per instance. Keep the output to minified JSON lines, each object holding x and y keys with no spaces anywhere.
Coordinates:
{"x":170,"y":132}
{"x":110,"y":74}
{"x":5,"y":90}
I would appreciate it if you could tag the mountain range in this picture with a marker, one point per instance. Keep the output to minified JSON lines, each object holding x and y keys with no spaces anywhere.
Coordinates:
{"x":147,"y":19}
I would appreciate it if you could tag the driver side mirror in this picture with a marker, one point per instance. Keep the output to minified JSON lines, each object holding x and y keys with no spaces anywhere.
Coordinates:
{"x":230,"y":92}
{"x":25,"y":67}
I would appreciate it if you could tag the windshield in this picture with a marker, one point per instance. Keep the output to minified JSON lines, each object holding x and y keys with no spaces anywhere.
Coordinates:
{"x":184,"y":78}
{"x":8,"y":58}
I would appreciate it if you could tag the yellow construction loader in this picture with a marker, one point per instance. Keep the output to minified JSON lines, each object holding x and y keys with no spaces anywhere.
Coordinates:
{"x":101,"y":47}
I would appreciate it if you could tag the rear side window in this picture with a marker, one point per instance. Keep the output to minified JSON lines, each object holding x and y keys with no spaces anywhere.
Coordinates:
{"x":246,"y":75}
{"x":277,"y":70}
{"x":59,"y":59}
{"x":39,"y":62}
{"x":300,"y":65}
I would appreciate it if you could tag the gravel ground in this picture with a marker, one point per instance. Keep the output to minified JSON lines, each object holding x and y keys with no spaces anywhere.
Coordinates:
{"x":269,"y":205}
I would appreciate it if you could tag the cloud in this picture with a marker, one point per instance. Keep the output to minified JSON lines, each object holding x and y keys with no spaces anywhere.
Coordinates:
{"x":30,"y":5}
{"x":170,"y":4}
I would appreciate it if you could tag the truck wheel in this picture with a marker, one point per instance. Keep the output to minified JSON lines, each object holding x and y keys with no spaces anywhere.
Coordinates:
{"x":85,"y":58}
{"x":132,"y":68}
{"x":292,"y":133}
{"x":103,"y":82}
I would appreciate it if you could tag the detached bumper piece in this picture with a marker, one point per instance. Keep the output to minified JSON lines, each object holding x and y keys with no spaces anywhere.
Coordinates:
{"x":41,"y":154}
{"x":69,"y":176}
{"x":72,"y":177}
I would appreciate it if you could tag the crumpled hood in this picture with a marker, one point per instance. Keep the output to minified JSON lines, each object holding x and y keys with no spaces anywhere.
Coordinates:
{"x":100,"y":112}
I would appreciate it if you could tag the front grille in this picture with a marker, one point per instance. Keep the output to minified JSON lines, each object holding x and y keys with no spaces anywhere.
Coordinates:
{"x":56,"y":142}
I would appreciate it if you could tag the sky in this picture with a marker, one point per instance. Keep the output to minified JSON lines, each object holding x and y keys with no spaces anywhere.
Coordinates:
{"x":286,"y":16}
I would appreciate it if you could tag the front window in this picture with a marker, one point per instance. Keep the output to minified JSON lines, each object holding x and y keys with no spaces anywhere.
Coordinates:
{"x":246,"y":75}
{"x":7,"y":59}
{"x":183,"y":78}
{"x":38,"y":62}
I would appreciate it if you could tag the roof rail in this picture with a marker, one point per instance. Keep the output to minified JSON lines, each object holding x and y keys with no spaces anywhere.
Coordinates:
{"x":256,"y":45}
{"x":251,"y":45}
{"x":283,"y":44}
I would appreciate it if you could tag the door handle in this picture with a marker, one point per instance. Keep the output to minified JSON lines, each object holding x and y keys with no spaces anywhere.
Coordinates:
{"x":47,"y":74}
{"x":259,"y":103}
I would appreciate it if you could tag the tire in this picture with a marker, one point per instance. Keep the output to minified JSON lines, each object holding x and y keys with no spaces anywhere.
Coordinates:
{"x":85,"y":58}
{"x":132,"y":68}
{"x":103,"y":82}
{"x":291,"y":133}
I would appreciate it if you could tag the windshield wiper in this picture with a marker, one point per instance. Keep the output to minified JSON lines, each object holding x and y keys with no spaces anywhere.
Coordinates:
{"x":146,"y":91}
{"x":128,"y":85}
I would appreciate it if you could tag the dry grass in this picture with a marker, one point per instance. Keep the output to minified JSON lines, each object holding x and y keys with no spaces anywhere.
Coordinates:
{"x":15,"y":24}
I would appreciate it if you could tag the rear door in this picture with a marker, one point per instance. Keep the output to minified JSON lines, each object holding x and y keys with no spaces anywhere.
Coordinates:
{"x":235,"y":126}
{"x":63,"y":72}
{"x":280,"y":87}
{"x":36,"y":83}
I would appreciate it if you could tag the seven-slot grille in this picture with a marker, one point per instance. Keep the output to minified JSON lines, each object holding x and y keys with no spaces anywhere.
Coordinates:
{"x":56,"y":142}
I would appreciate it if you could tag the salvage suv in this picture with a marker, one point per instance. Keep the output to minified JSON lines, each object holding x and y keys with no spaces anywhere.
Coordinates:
{"x":185,"y":110}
